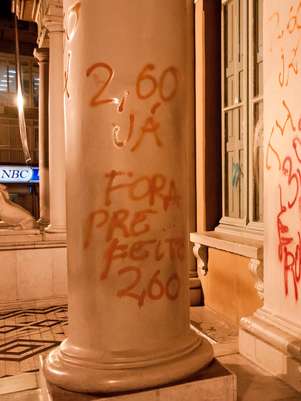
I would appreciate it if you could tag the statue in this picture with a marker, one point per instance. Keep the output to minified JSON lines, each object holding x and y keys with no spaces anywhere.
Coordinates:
{"x":12,"y":214}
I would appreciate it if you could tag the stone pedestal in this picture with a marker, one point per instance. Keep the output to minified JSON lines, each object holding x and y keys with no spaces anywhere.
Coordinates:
{"x":214,"y":383}
{"x":272,"y":336}
{"x":42,"y":56}
{"x":129,"y":114}
{"x":56,"y":126}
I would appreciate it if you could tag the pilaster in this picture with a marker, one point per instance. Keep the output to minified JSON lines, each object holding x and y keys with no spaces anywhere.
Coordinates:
{"x":53,"y":21}
{"x":42,"y":56}
{"x":272,"y":336}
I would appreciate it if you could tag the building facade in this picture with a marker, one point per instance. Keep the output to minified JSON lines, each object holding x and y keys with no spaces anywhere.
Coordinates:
{"x":244,"y":225}
{"x":11,"y":153}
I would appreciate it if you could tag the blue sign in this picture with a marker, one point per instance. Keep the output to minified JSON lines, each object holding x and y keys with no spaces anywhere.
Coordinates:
{"x":19,"y":174}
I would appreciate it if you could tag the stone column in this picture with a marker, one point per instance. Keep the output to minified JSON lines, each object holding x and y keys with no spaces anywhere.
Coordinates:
{"x":42,"y":56}
{"x":272,"y":336}
{"x":56,"y":127}
{"x":129,"y":113}
{"x":196,"y":293}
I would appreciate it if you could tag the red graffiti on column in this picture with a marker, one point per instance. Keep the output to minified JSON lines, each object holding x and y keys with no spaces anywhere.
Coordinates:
{"x":124,"y":233}
{"x":147,"y":86}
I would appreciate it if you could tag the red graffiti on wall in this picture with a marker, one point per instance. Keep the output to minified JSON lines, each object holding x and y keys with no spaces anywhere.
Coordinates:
{"x":289,"y":253}
{"x":285,"y":43}
{"x":284,"y":29}
{"x":281,"y":127}
{"x":289,"y":26}
{"x":289,"y":65}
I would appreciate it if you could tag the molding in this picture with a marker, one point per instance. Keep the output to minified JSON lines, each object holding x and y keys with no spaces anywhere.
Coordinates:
{"x":278,"y":321}
{"x":256,"y":268}
{"x":41,"y":54}
{"x":30,"y":239}
{"x":282,"y":338}
{"x":201,"y":254}
{"x":53,"y":24}
{"x":32,"y":245}
{"x":236,"y":244}
{"x":250,"y":231}
{"x":33,"y":303}
{"x":43,"y":39}
{"x":49,"y":17}
{"x":273,"y":344}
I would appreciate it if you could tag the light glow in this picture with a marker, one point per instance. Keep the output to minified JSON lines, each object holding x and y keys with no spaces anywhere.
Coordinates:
{"x":20,"y":101}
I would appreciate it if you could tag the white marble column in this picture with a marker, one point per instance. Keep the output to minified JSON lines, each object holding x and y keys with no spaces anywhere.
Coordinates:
{"x":56,"y":127}
{"x":129,"y":113}
{"x":272,"y":336}
{"x":42,"y":56}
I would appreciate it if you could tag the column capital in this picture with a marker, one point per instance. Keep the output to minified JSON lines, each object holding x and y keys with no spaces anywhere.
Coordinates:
{"x":53,"y":17}
{"x":54,"y":24}
{"x":41,"y":54}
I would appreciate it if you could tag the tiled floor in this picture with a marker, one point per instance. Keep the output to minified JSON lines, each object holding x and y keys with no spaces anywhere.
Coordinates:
{"x":24,"y":334}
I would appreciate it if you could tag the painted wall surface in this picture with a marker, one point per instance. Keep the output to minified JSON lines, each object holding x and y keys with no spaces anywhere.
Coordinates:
{"x":282,"y":131}
{"x":32,"y":275}
{"x":229,"y":286}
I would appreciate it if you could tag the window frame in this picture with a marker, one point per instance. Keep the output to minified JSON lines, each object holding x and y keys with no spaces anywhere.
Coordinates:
{"x":247,"y":223}
{"x":8,"y":98}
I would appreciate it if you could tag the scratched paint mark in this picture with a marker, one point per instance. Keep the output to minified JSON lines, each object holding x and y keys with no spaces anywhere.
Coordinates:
{"x":72,"y":20}
{"x":236,"y":174}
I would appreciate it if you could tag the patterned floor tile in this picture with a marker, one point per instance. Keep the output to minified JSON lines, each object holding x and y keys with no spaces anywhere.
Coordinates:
{"x":20,"y":349}
{"x":26,"y":333}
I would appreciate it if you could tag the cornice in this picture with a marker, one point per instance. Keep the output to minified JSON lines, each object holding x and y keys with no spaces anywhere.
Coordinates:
{"x":25,"y":9}
{"x":53,"y":23}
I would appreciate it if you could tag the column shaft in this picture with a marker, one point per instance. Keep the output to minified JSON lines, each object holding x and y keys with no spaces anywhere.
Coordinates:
{"x":56,"y":131}
{"x":42,"y":56}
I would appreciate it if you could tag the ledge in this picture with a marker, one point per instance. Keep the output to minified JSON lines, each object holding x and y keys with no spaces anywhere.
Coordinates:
{"x":30,"y":239}
{"x":235,"y":244}
{"x":264,"y":326}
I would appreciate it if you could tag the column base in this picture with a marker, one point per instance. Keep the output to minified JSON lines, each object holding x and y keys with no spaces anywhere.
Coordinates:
{"x":52,"y":228}
{"x":43,"y":223}
{"x":92,"y":371}
{"x":195,"y":292}
{"x":212,"y":383}
{"x":274,"y":344}
{"x":54,"y":236}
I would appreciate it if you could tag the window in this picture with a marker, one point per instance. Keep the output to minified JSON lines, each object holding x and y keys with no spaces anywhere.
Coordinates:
{"x":242,"y":113}
{"x":10,"y":142}
{"x":29,"y":78}
{"x":25,"y":78}
{"x":35,"y":85}
{"x":7,"y":77}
